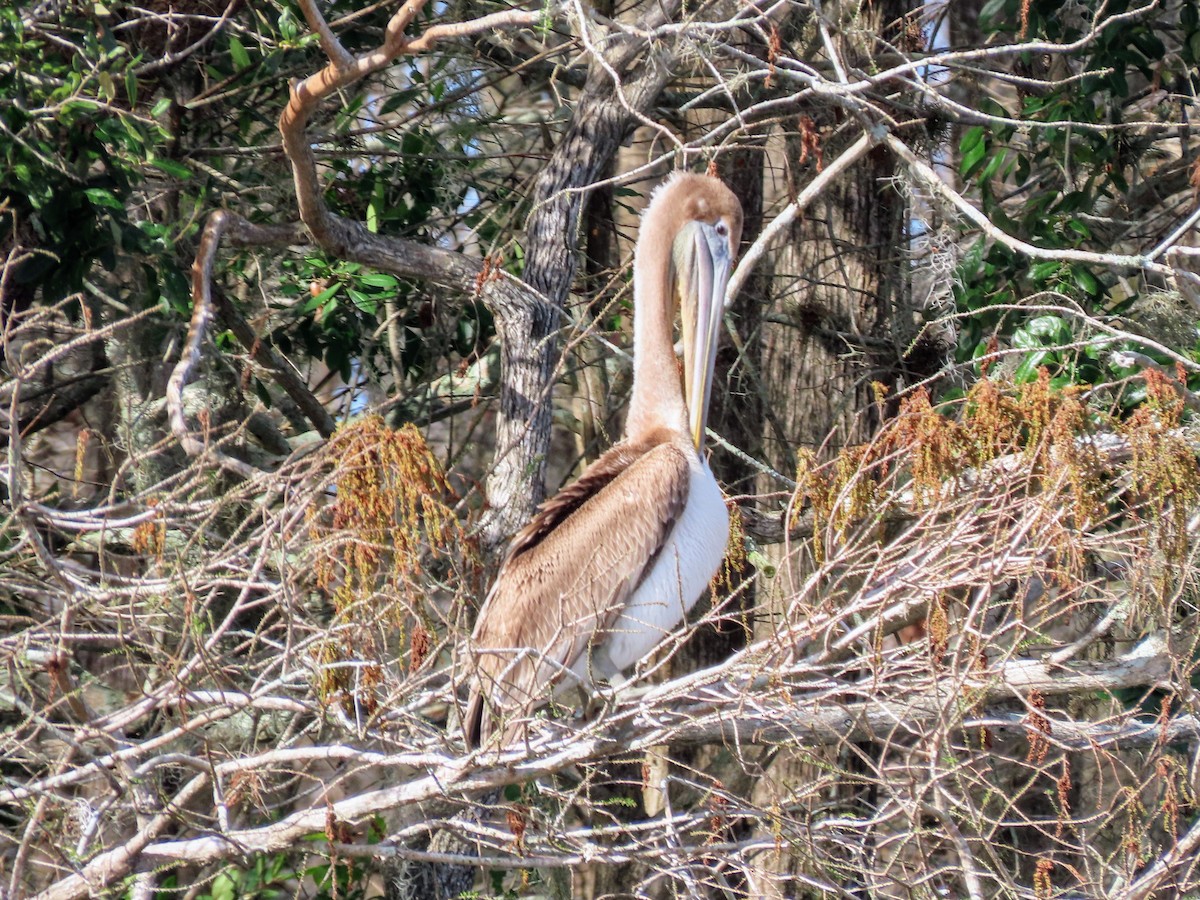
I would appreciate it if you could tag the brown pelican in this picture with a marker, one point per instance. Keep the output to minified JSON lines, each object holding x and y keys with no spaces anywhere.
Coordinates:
{"x":612,"y":563}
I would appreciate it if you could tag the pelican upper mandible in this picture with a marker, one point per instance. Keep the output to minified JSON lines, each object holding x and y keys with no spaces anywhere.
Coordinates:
{"x":610,"y":565}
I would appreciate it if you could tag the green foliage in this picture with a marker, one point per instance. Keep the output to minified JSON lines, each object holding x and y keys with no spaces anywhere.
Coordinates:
{"x":112,"y":152}
{"x":80,"y":140}
{"x":1052,"y":156}
{"x":411,"y":185}
{"x":275,"y":877}
{"x":345,"y":307}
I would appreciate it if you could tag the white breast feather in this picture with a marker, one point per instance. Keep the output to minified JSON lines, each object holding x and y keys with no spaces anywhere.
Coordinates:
{"x":683,"y":570}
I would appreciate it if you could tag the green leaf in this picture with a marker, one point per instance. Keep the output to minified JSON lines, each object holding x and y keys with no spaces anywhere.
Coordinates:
{"x":134,"y":139}
{"x":1032,"y":104}
{"x":994,"y":165}
{"x":972,"y":158}
{"x":396,"y":100}
{"x":1053,"y":328}
{"x":1117,"y":83}
{"x":1044,"y":270}
{"x":1023,"y":339}
{"x":176,"y":289}
{"x":320,"y":299}
{"x":160,"y":107}
{"x":362,"y":301}
{"x":1079,"y":228}
{"x":79,"y":105}
{"x":1150,"y":45}
{"x":991,"y":10}
{"x":263,"y":394}
{"x":171,"y":167}
{"x":1028,"y":369}
{"x":289,"y":26}
{"x":237,"y":51}
{"x":380,"y":280}
{"x":224,"y":888}
{"x":972,"y":260}
{"x":1041,"y":332}
{"x":971,"y":138}
{"x":108,"y":87}
{"x":1086,"y":281}
{"x":102,"y":197}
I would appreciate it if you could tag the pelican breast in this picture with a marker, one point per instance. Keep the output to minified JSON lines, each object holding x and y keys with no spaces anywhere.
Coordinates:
{"x":673,"y":582}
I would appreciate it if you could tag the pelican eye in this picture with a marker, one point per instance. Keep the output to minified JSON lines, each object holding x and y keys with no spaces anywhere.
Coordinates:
{"x":722,"y":229}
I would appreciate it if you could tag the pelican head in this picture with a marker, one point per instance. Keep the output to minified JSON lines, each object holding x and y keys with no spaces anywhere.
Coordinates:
{"x":702,"y":256}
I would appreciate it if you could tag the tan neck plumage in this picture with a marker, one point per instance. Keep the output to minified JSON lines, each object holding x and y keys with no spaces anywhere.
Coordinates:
{"x":657,"y":400}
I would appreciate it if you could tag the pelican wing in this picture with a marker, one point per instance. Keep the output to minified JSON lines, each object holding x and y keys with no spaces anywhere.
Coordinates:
{"x":567,"y":577}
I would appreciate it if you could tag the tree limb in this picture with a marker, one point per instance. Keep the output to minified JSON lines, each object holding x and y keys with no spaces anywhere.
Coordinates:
{"x":811,"y":717}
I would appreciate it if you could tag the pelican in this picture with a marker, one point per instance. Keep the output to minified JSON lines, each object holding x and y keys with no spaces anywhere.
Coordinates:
{"x":610,"y":565}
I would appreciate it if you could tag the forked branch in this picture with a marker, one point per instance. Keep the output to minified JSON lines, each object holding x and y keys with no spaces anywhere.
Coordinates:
{"x":241,"y":233}
{"x":332,"y":232}
{"x":521,"y":312}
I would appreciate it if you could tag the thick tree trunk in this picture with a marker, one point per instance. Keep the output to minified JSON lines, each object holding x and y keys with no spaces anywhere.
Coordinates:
{"x":593,"y":405}
{"x":832,"y":328}
{"x":603,"y":115}
{"x":841,"y":292}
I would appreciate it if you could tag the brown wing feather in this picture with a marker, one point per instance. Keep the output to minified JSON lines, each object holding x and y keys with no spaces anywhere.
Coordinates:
{"x":567,"y":576}
{"x":553,"y":512}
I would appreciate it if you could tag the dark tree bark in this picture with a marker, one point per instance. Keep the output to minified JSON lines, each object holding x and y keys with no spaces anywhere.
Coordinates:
{"x":835,"y":309}
{"x":604,"y":114}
